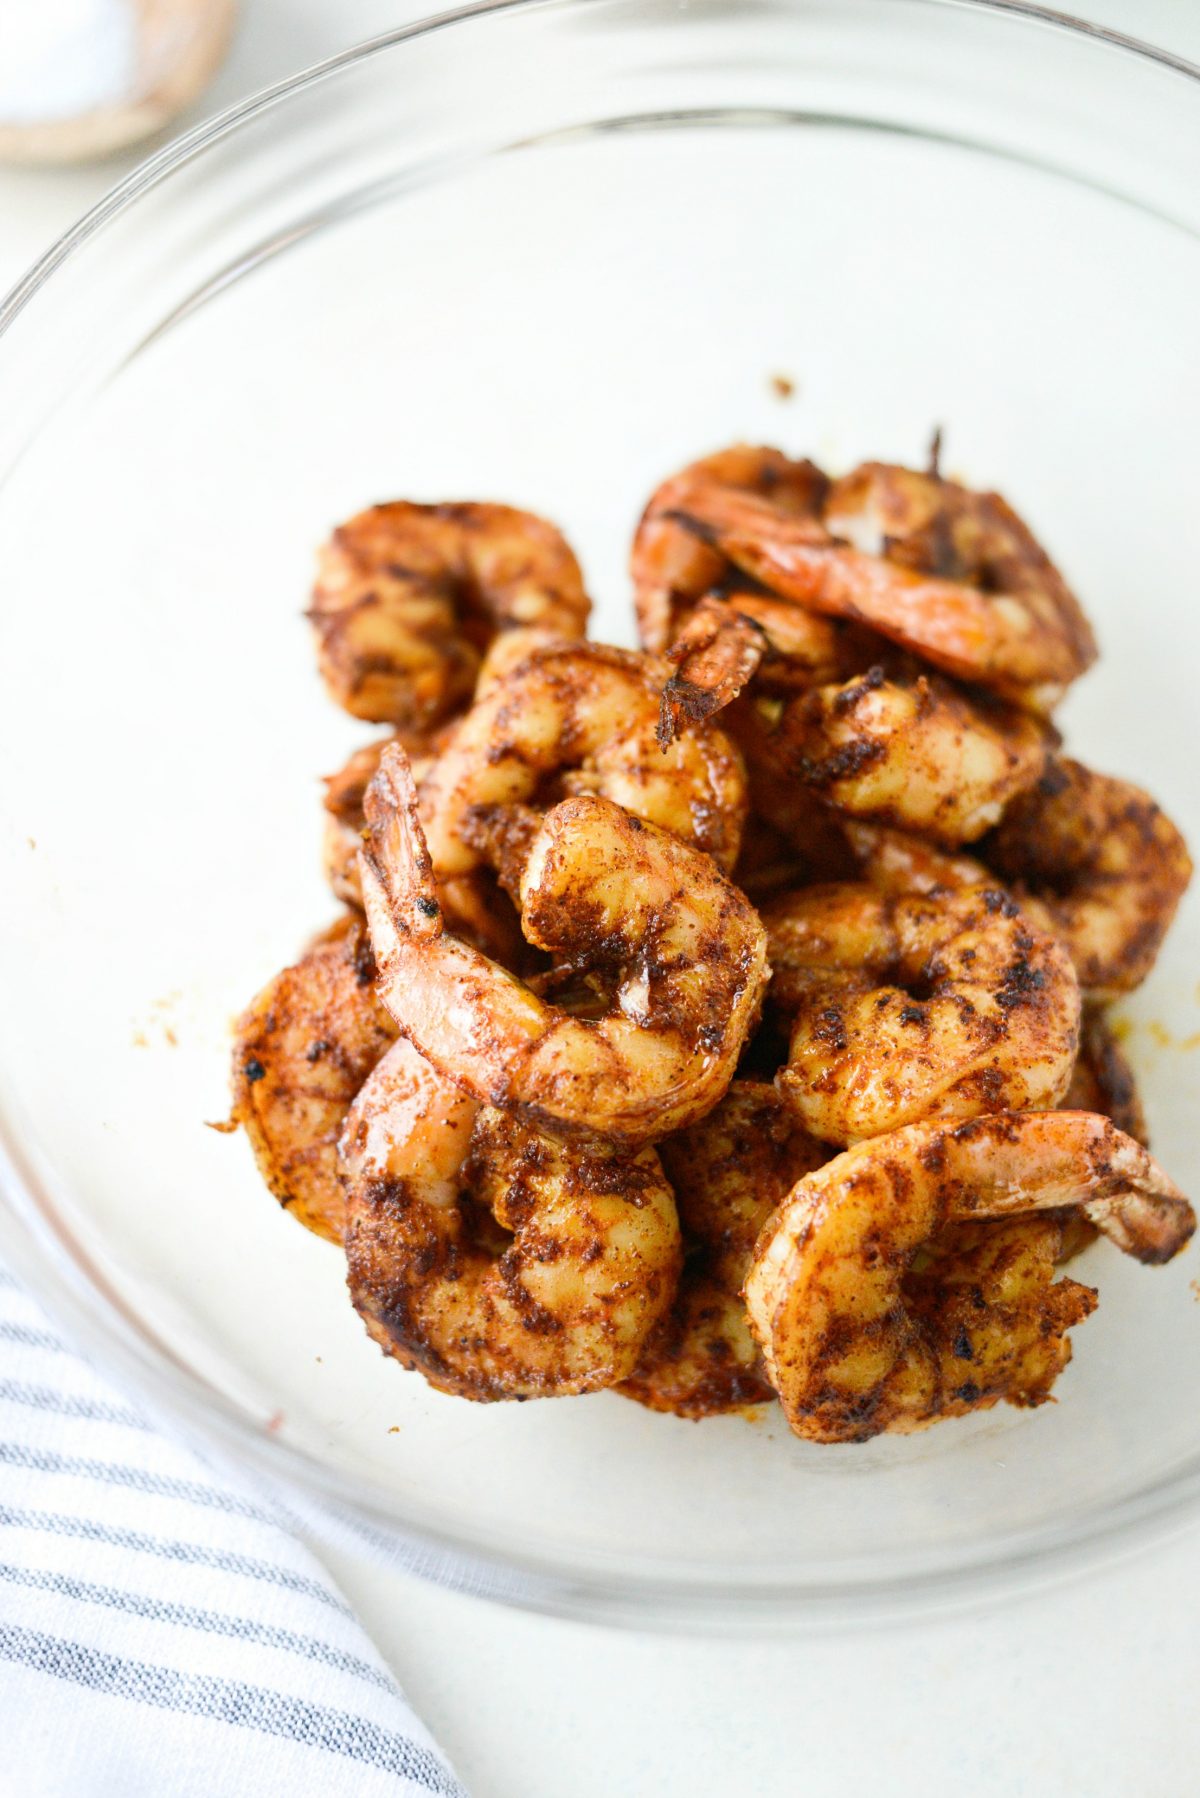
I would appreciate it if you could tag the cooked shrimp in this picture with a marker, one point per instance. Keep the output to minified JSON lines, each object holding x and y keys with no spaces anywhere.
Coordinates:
{"x":919,"y":753}
{"x":905,"y":1007}
{"x":792,"y":822}
{"x":853,"y":1347}
{"x":1101,"y":863}
{"x":577,"y":720}
{"x":702,"y":1359}
{"x":344,"y":790}
{"x":409,"y":596}
{"x":684,"y":948}
{"x":301,"y":1051}
{"x":496,"y":1261}
{"x":729,"y":1172}
{"x":729,"y":638}
{"x":952,"y":575}
{"x":1089,"y":858}
{"x":472,"y":901}
{"x":671,"y":567}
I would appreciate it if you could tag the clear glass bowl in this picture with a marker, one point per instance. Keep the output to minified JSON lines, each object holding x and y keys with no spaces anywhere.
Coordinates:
{"x":545,"y":253}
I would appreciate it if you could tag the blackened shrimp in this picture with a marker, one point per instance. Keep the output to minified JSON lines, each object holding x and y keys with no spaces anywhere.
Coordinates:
{"x":684,"y":951}
{"x":498,"y":1262}
{"x":854,"y":1345}
{"x":918,"y":753}
{"x":952,"y":575}
{"x":301,"y":1051}
{"x":408,"y":597}
{"x":728,"y":1172}
{"x":1101,"y":863}
{"x":672,"y":567}
{"x":575,"y":720}
{"x":904,"y":1007}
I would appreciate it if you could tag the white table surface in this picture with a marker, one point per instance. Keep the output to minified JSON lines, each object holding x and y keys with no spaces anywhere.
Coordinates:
{"x":1088,"y":1690}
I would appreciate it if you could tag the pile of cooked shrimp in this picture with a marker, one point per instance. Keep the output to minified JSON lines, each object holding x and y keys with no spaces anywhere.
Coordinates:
{"x":721,"y":1021}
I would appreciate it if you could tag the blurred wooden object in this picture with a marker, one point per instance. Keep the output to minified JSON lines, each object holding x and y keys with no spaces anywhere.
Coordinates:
{"x":162,"y":54}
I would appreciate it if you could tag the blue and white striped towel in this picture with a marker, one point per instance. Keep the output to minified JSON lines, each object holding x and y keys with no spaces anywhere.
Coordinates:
{"x":162,"y":1633}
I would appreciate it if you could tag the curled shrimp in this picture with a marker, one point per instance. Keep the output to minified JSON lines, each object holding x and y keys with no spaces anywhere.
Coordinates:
{"x":951,"y":575}
{"x":684,"y":950}
{"x":854,"y":1347}
{"x":408,"y":597}
{"x":917,"y":753}
{"x":1101,"y":864}
{"x":499,"y":1262}
{"x":1089,"y":858}
{"x":301,"y":1051}
{"x":728,"y":1172}
{"x":905,"y":1007}
{"x":574,"y":720}
{"x":672,"y":567}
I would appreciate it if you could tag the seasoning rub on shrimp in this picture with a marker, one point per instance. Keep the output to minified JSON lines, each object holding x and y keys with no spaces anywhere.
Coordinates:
{"x":499,"y":1262}
{"x":849,"y":1346}
{"x":671,"y":564}
{"x":1099,"y":863}
{"x":908,"y":1006}
{"x":684,"y":949}
{"x":408,"y":597}
{"x":954,"y":576}
{"x":918,"y":753}
{"x":582,"y":719}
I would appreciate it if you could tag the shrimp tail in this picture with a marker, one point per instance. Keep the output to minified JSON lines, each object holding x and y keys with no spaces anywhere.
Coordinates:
{"x":399,"y":888}
{"x":716,"y":655}
{"x":1145,"y":1214}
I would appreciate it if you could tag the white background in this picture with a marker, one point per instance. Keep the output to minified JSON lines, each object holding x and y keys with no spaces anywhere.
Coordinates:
{"x":1088,"y":1689}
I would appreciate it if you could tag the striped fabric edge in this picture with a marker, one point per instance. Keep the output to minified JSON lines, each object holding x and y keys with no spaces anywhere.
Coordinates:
{"x":218,"y":1623}
{"x":224,"y":1560}
{"x":137,"y":1479}
{"x":55,"y":1408}
{"x":232,"y":1702}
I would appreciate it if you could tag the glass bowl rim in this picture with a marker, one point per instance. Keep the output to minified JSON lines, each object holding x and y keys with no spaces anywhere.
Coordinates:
{"x":58,"y":1270}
